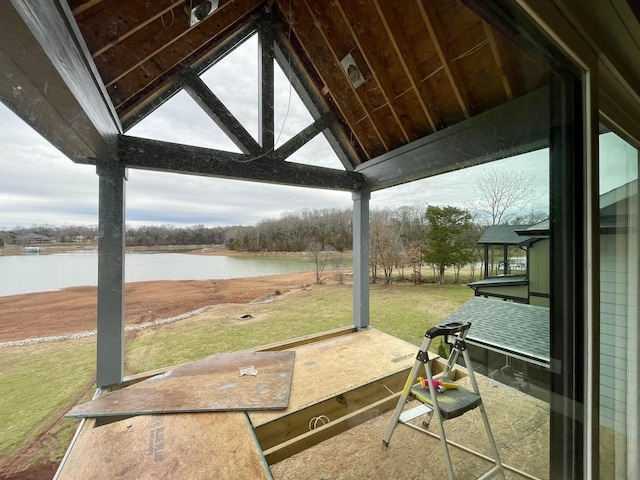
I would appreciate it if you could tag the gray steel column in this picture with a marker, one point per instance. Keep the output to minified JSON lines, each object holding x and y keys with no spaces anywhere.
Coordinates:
{"x":111,"y":234}
{"x":361,"y":259}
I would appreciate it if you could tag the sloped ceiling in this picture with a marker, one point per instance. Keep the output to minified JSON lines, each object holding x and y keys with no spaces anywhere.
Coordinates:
{"x":422,"y":66}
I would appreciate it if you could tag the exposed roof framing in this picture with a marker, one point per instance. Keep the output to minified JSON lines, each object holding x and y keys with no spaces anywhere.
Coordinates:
{"x":380,"y":79}
{"x":172,"y":157}
{"x":209,"y":102}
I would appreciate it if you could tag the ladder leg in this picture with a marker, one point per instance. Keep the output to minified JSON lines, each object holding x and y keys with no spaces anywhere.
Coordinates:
{"x":411,"y":380}
{"x":436,"y":411}
{"x":483,"y":414}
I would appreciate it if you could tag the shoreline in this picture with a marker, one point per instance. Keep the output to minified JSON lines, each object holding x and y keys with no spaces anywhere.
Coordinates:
{"x":48,"y":249}
{"x":74,"y":309}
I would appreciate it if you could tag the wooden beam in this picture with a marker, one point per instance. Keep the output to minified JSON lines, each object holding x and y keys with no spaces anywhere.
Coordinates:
{"x":133,"y":51}
{"x":171,"y":157}
{"x":266,"y":85}
{"x":132,"y":116}
{"x":131,"y":17}
{"x":288,"y":428}
{"x":401,"y":58}
{"x":314,"y":102}
{"x":219,"y":113}
{"x":52,"y":26}
{"x":430,"y":17}
{"x":157,"y":61}
{"x":374,"y":72}
{"x":498,"y":58}
{"x":361,"y":251}
{"x":519,"y":126}
{"x":79,"y":6}
{"x":111,"y":258}
{"x":25,"y":74}
{"x":338,"y":83}
{"x":324,"y":432}
{"x":308,"y":133}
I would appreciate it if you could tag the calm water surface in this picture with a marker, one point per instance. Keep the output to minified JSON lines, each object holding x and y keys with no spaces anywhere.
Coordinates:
{"x":41,"y":273}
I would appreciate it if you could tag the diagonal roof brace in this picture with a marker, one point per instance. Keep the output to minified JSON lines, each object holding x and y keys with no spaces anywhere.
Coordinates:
{"x":326,"y":120}
{"x":219,"y":113}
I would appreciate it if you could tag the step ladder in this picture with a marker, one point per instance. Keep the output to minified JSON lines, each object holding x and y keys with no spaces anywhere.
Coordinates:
{"x":445,"y":403}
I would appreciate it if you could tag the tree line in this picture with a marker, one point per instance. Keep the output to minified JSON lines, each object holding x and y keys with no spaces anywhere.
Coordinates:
{"x":406,"y":238}
{"x":402,"y":240}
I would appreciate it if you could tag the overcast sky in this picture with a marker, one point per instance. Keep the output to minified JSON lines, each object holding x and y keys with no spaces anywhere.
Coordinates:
{"x":39,"y":185}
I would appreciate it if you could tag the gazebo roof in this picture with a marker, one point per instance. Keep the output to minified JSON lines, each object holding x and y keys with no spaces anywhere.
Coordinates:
{"x":502,"y":235}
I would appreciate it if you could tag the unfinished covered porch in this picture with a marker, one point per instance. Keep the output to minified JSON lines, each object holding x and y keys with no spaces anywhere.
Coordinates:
{"x":401,"y":91}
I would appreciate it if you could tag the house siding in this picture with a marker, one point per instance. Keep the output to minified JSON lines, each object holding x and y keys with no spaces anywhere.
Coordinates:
{"x":539,"y":273}
{"x":619,"y":332}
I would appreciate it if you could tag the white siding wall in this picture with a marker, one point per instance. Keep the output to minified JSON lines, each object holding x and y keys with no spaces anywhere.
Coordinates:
{"x":619,"y":332}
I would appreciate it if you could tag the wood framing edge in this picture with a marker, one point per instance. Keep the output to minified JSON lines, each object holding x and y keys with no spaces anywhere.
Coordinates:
{"x":271,"y":347}
{"x":324,"y":432}
{"x":306,"y":339}
{"x":85,"y":423}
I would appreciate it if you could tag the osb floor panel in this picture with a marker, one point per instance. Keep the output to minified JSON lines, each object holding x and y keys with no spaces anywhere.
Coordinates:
{"x":211,"y":384}
{"x":223,"y":443}
{"x":217,"y":445}
{"x":520,"y":426}
{"x":328,"y":368}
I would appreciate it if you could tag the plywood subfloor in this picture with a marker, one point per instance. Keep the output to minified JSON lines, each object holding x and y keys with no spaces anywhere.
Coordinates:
{"x":328,"y":368}
{"x":211,"y":384}
{"x":225,"y":442}
{"x":217,"y":445}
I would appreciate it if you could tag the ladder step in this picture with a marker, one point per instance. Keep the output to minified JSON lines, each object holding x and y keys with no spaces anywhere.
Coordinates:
{"x":452,"y":403}
{"x":415,"y":412}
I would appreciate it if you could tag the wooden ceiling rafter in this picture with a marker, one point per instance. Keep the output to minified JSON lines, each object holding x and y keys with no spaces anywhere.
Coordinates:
{"x":426,"y":65}
{"x":162,"y":68}
{"x":498,"y":58}
{"x":85,"y":6}
{"x":130,"y":20}
{"x":429,"y":15}
{"x":375,"y":109}
{"x":173,"y":85}
{"x":405,"y":65}
{"x":337,"y":82}
{"x":164,"y":38}
{"x":374,"y":74}
{"x":315,"y":100}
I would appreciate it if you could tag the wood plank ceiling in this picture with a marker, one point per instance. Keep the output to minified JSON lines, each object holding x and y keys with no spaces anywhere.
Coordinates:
{"x":422,"y":65}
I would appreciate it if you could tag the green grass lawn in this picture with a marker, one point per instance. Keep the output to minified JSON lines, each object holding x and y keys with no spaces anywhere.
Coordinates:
{"x":38,"y":382}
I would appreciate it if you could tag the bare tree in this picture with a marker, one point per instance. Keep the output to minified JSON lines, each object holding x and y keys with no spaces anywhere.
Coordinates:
{"x":501,"y":193}
{"x":321,"y":258}
{"x":386,"y":249}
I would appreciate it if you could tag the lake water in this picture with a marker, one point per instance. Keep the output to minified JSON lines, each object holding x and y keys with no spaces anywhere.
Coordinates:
{"x":41,"y":273}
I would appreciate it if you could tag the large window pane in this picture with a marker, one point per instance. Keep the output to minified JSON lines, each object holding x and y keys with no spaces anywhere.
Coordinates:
{"x":618,"y":308}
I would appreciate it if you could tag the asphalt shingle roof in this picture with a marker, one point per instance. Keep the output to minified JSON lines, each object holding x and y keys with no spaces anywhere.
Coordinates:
{"x":502,"y":234}
{"x":516,"y":329}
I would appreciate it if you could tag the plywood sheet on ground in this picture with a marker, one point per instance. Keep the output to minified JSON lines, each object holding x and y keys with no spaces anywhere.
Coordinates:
{"x":217,"y":445}
{"x":328,"y":368}
{"x":211,"y":384}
